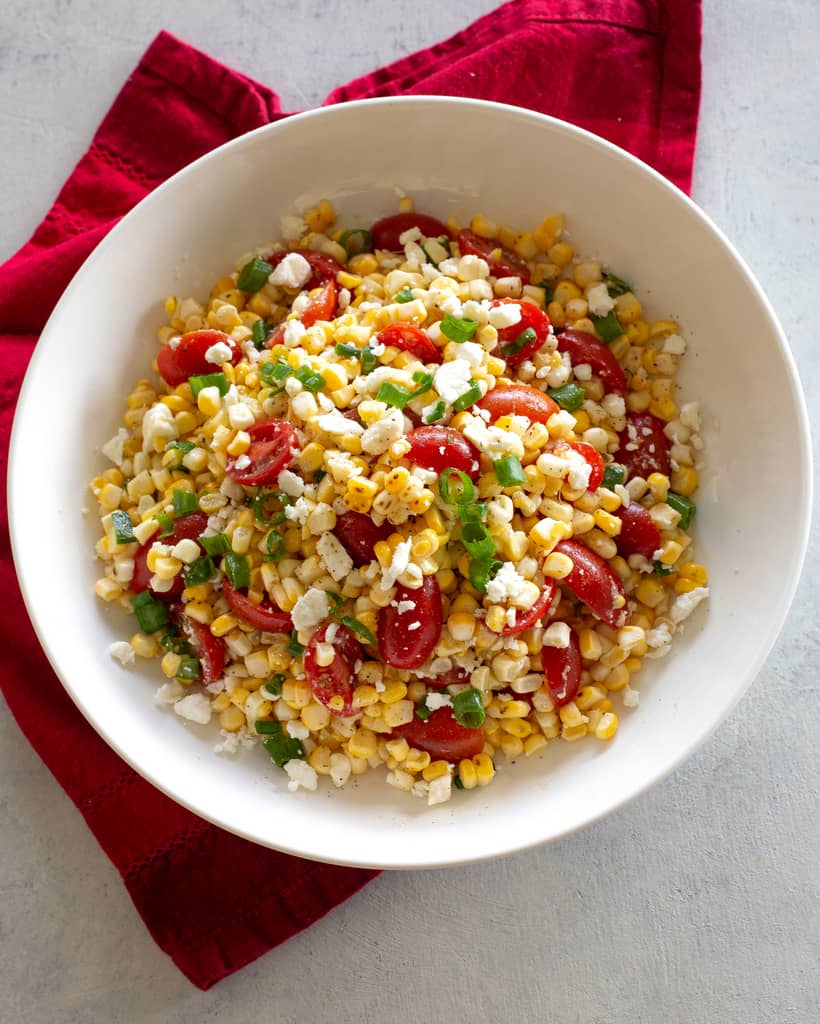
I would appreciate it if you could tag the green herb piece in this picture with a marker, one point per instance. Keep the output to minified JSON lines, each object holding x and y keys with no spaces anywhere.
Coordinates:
{"x":123,"y":527}
{"x":265,"y":727}
{"x":267,"y":507}
{"x":208,"y":380}
{"x":477,"y":540}
{"x":608,"y":327}
{"x":468,"y":709}
{"x":293,"y":647}
{"x":174,"y":642}
{"x":254,"y":275}
{"x":189,"y":669}
{"x":422,"y":711}
{"x":509,"y":471}
{"x":481,"y":571}
{"x":259,"y":333}
{"x":200,"y":571}
{"x":275,"y":545}
{"x":457,"y":782}
{"x":616,"y":285}
{"x":473,"y":513}
{"x":274,"y":373}
{"x":151,"y":613}
{"x":355,"y":241}
{"x":470,"y":397}
{"x":466,"y":487}
{"x":310,"y":379}
{"x":281,"y":747}
{"x":405,"y":295}
{"x":166,"y":524}
{"x":444,"y":242}
{"x":683,"y":505}
{"x":336,"y":601}
{"x":181,"y":446}
{"x":549,"y":293}
{"x":369,"y":360}
{"x":526,"y":337}
{"x":237,"y":570}
{"x":343,"y":349}
{"x":663,"y":570}
{"x":569,"y":397}
{"x":358,"y":627}
{"x":436,"y":412}
{"x":218,"y":545}
{"x":613,"y":475}
{"x":458,"y":330}
{"x":424,"y":382}
{"x":184,"y":502}
{"x":273,"y":687}
{"x":320,"y":474}
{"x":393,"y":394}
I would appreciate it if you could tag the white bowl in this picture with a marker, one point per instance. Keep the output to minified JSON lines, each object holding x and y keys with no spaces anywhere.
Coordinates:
{"x":455,"y":157}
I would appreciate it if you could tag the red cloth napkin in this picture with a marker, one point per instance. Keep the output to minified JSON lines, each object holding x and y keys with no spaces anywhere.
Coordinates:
{"x":628,"y":70}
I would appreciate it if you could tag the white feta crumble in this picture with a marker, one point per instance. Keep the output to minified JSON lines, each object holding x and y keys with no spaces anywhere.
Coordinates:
{"x":579,"y":470}
{"x":230,"y":742}
{"x":506,"y":585}
{"x":296,"y":729}
{"x":690,"y":416}
{"x":434,"y":701}
{"x":194,"y":708}
{"x":507,"y":314}
{"x":472,"y":268}
{"x":398,"y":564}
{"x":404,"y":606}
{"x":301,"y":774}
{"x":293,"y":333}
{"x":675,"y":345}
{"x":452,"y":380}
{"x":337,"y":425}
{"x":379,"y":436}
{"x":169,"y":693}
{"x":292,"y":272}
{"x":337,"y":561}
{"x":122,"y":652}
{"x":290,"y":483}
{"x":218,"y":353}
{"x":631,"y":697}
{"x":685,"y":604}
{"x":471,"y":353}
{"x":158,"y":425}
{"x":659,"y":641}
{"x":310,"y":609}
{"x":298,"y":511}
{"x":412,"y":234}
{"x":599,"y":300}
{"x":113,"y":449}
{"x":439,"y":790}
{"x":242,"y":461}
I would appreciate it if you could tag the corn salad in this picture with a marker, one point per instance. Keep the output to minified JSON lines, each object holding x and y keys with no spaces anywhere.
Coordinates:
{"x":417,"y":497}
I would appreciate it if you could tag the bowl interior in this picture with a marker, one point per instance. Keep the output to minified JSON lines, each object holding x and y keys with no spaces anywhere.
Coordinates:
{"x":454,"y":158}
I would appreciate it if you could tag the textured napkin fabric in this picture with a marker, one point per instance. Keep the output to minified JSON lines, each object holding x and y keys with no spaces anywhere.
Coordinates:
{"x":628,"y":70}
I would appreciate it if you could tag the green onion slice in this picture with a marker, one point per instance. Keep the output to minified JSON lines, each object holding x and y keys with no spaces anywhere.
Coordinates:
{"x":355,"y":241}
{"x":549,"y":293}
{"x":281,"y":747}
{"x":273,"y":687}
{"x":181,"y":446}
{"x":481,"y":571}
{"x":608,"y":327}
{"x":174,"y":642}
{"x":217,"y":545}
{"x":237,"y":570}
{"x":526,"y":337}
{"x":509,"y":471}
{"x":436,"y":412}
{"x":422,"y":711}
{"x":393,"y":394}
{"x":199,"y":571}
{"x":166,"y":524}
{"x":458,"y":330}
{"x":369,"y":360}
{"x":293,"y":647}
{"x":616,"y":285}
{"x":275,"y":545}
{"x":466,"y":487}
{"x":663,"y":570}
{"x":188,"y":669}
{"x":405,"y":295}
{"x":477,"y":540}
{"x":358,"y":627}
{"x":473,"y":513}
{"x":683,"y":505}
{"x":336,"y":601}
{"x":457,"y":782}
{"x":569,"y":397}
{"x":614,"y":474}
{"x":254,"y":275}
{"x":259,"y":333}
{"x":468,"y":709}
{"x":267,"y":507}
{"x":347,"y":350}
{"x":123,"y":527}
{"x":208,"y":380}
{"x":274,"y":373}
{"x":184,"y":502}
{"x":424,"y":382}
{"x":470,"y":397}
{"x":310,"y":379}
{"x":151,"y":613}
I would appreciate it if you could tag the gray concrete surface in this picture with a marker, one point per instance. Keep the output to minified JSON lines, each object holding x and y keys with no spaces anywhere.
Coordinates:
{"x":697,"y":903}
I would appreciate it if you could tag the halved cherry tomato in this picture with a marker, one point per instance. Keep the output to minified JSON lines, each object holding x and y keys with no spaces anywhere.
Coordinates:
{"x":562,"y":670}
{"x":322,"y":306}
{"x":324,"y":268}
{"x":410,"y":338}
{"x":440,"y":448}
{"x":593,"y":582}
{"x":592,"y":456}
{"x":506,"y":265}
{"x":176,"y":365}
{"x":644,"y":446}
{"x":639,"y":535}
{"x":265,"y":616}
{"x":386,"y":232}
{"x":273,"y":445}
{"x":187,"y":527}
{"x":586,"y":348}
{"x":359,"y":535}
{"x":442,"y":737}
{"x":407,"y":638}
{"x":335,"y":679}
{"x":525,"y":619}
{"x":453,"y":676}
{"x":209,"y":649}
{"x":518,"y":400}
{"x":532,"y":318}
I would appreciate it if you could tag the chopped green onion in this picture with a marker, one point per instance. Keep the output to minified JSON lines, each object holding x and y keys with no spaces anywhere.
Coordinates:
{"x":320,"y":474}
{"x":466,"y":487}
{"x":273,"y":687}
{"x":347,"y":350}
{"x":424,"y":381}
{"x":123,"y":527}
{"x":185,"y":502}
{"x":393,"y":394}
{"x":199,"y":571}
{"x":477,"y":540}
{"x":468,"y":709}
{"x":310,"y":379}
{"x":422,"y":711}
{"x":613,"y":475}
{"x":188,"y":669}
{"x":293,"y":647}
{"x":181,"y":446}
{"x":260,"y":506}
{"x":608,"y":327}
{"x":481,"y":571}
{"x":444,"y":242}
{"x":474,"y":513}
{"x":281,"y":747}
{"x":457,"y":782}
{"x":254,"y":275}
{"x":238,"y":571}
{"x":470,"y":397}
{"x":405,"y":295}
{"x":458,"y":330}
{"x":208,"y":380}
{"x":273,"y":374}
{"x":151,"y":613}
{"x":336,"y":601}
{"x":569,"y":397}
{"x":369,"y":360}
{"x":218,"y":545}
{"x":267,"y":727}
{"x":663,"y":570}
{"x":356,"y":241}
{"x":358,"y":627}
{"x":275,"y":545}
{"x":683,"y":505}
{"x":259,"y":333}
{"x":548,"y":291}
{"x":173,"y":642}
{"x":436,"y":412}
{"x":509,"y":471}
{"x":616,"y":285}
{"x":166,"y":524}
{"x":526,"y":337}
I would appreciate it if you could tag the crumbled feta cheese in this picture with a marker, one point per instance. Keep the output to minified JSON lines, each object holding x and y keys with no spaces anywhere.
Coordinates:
{"x":472,"y":268}
{"x":631,"y":697}
{"x":675,"y":345}
{"x":310,"y":609}
{"x":337,"y":425}
{"x":301,"y":774}
{"x":122,"y":652}
{"x":242,"y":461}
{"x":398,"y":564}
{"x":158,"y":425}
{"x":404,"y":606}
{"x":341,"y":466}
{"x":506,"y":585}
{"x":556,"y":635}
{"x":169,"y":693}
{"x":439,"y":790}
{"x":293,"y":333}
{"x":113,"y":449}
{"x":507,"y":314}
{"x":195,"y":708}
{"x":337,"y":561}
{"x":614,"y":406}
{"x":297,"y":730}
{"x":434,"y":701}
{"x":218,"y":353}
{"x":292,"y":272}
{"x":412,"y":234}
{"x":690,"y":415}
{"x":299,"y":511}
{"x":377,"y":438}
{"x":579,"y":470}
{"x":291,"y":484}
{"x":685,"y":604}
{"x":471,"y":353}
{"x":599,"y":300}
{"x":659,"y":641}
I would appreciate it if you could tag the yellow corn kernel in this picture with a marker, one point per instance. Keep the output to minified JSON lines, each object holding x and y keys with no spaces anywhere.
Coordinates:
{"x":650,"y":592}
{"x":557,"y":565}
{"x":364,"y":696}
{"x":565,"y":291}
{"x":607,"y":727}
{"x":519,"y":727}
{"x":683,"y":586}
{"x":435,"y":770}
{"x":658,"y":485}
{"x":461,"y":626}
{"x":695,"y":572}
{"x":590,"y":644}
{"x":660,"y":328}
{"x":617,"y":678}
{"x":393,"y":691}
{"x":670,"y":552}
{"x":620,"y":347}
{"x":416,"y":760}
{"x":511,"y":746}
{"x":611,"y":525}
{"x":170,"y":664}
{"x":627,"y":309}
{"x":582,"y":421}
{"x":396,"y":480}
{"x":221,"y":701}
{"x":664,"y":408}
{"x":232,"y":718}
{"x":363,"y":264}
{"x":467,"y":774}
{"x":485,"y":769}
{"x":496,"y":618}
{"x":362,"y":743}
{"x":685,"y":481}
{"x":547,"y":532}
{"x":199,"y":612}
{"x":144,"y":646}
{"x":360,"y":494}
{"x":535,"y":437}
{"x":319,"y":760}
{"x":315,"y":717}
{"x":574,"y":732}
{"x":296,"y":694}
{"x":109,"y":497}
{"x":481,"y":225}
{"x":548,"y":231}
{"x":223,"y":624}
{"x":560,"y":254}
{"x":589,"y":696}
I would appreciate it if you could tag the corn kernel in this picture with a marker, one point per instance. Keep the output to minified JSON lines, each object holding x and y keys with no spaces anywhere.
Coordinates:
{"x":685,"y":481}
{"x":607,"y":727}
{"x":435,"y":770}
{"x":611,"y":525}
{"x":695,"y":572}
{"x":232,"y":719}
{"x":467,"y":774}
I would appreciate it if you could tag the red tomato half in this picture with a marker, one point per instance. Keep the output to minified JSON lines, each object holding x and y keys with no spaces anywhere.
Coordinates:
{"x":324,"y":268}
{"x":518,"y":400}
{"x":442,"y":737}
{"x":586,"y":348}
{"x":335,"y":679}
{"x":273,"y":445}
{"x":562,"y":670}
{"x":185,"y":528}
{"x":452,"y":676}
{"x":411,"y":339}
{"x":359,"y":535}
{"x":322,"y":305}
{"x":264,"y":616}
{"x":592,"y":456}
{"x":644,"y":446}
{"x":525,"y":619}
{"x":506,"y":265}
{"x":440,"y":448}
{"x":639,"y":535}
{"x":176,"y":365}
{"x":593,"y":582}
{"x":406,"y":639}
{"x":387,"y":231}
{"x":532,"y":318}
{"x":209,"y":649}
